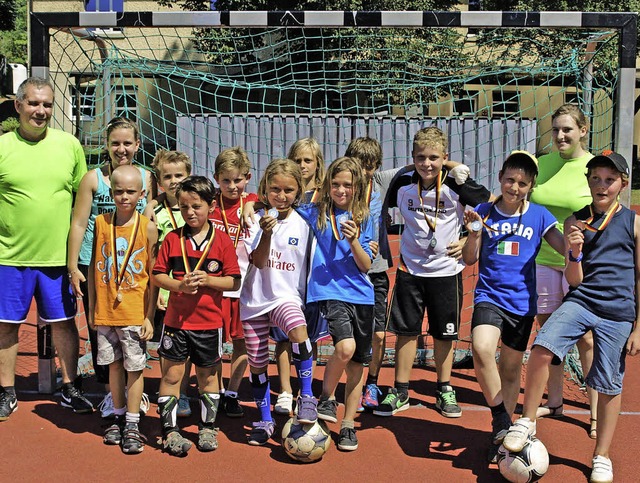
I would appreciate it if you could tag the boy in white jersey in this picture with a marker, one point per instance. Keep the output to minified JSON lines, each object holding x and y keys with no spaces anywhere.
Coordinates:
{"x":429,"y":276}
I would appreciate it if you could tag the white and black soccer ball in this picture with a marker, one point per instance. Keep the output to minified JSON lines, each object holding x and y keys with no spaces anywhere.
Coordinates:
{"x":524,"y":466}
{"x":305,"y":442}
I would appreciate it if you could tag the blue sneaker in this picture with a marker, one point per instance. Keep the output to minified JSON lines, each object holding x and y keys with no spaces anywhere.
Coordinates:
{"x":370,"y":396}
{"x":307,"y":409}
{"x":184,"y":407}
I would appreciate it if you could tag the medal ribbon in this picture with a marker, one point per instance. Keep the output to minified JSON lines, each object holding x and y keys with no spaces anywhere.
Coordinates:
{"x":171,"y":217}
{"x":332,"y":215}
{"x":607,"y":218}
{"x":132,"y":239}
{"x":205,"y":252}
{"x":225,"y":220}
{"x":432,"y":224}
{"x":495,"y":202}
{"x":315,"y":196}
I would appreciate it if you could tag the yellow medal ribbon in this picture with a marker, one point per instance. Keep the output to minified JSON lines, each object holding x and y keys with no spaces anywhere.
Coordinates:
{"x":432,"y":224}
{"x":332,"y":215}
{"x":607,"y":218}
{"x":495,"y":202}
{"x":171,"y":217}
{"x":225,"y":220}
{"x":119,"y":272}
{"x":315,"y":196}
{"x":205,"y":252}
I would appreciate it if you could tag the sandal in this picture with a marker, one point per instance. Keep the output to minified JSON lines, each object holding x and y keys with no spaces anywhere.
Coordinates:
{"x":546,"y":411}
{"x":175,"y":444}
{"x":207,"y":439}
{"x":593,"y":428}
{"x":132,"y":440}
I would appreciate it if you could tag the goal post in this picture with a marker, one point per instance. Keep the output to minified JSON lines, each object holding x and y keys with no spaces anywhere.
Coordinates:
{"x":204,"y":81}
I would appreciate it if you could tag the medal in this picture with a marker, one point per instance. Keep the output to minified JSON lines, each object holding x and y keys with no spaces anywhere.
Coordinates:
{"x":433,"y":243}
{"x":476,"y":226}
{"x":119,"y":272}
{"x":343,"y":218}
{"x":273,"y":213}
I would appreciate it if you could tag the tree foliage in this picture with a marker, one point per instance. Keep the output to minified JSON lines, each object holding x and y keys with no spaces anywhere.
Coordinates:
{"x":8,"y":17}
{"x":13,"y":42}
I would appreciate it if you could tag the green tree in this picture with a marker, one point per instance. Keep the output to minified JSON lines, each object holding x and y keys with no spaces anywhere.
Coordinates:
{"x":13,"y":41}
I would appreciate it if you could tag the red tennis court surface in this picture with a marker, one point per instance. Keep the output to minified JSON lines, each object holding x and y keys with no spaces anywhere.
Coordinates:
{"x":44,"y":442}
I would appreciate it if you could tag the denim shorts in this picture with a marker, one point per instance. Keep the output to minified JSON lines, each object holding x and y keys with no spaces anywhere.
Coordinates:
{"x":569,"y":323}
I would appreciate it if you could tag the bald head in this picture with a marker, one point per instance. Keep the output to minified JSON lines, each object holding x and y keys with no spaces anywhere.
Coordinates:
{"x":126,"y":174}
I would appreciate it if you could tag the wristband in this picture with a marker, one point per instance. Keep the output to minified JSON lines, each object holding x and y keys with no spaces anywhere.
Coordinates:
{"x":575,"y":259}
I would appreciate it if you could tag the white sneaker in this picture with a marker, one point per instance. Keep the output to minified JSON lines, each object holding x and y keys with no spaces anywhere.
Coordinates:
{"x":144,"y":403}
{"x":284,"y":404}
{"x":602,"y":471}
{"x":518,"y":434}
{"x":106,"y":407}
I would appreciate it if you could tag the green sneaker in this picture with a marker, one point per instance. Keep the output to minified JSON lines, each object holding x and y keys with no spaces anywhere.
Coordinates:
{"x":392,"y":404}
{"x":447,"y":404}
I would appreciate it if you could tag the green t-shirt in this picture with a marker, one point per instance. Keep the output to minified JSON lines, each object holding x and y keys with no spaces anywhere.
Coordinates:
{"x":37,"y":181}
{"x":165,"y":225}
{"x":562,"y":188}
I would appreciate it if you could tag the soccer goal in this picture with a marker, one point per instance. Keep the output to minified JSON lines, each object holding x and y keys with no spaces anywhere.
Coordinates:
{"x":204,"y":81}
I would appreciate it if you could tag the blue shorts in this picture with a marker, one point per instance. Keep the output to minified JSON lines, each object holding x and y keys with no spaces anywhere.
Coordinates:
{"x":49,"y":285}
{"x":569,"y":323}
{"x":317,"y":326}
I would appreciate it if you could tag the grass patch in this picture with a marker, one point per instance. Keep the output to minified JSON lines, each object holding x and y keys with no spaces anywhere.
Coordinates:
{"x":635,"y":197}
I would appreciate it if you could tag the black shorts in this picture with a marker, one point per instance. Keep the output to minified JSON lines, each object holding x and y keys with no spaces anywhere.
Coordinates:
{"x":380,"y":283}
{"x":515,"y":329}
{"x":441,"y":297}
{"x":203,"y":347}
{"x":350,"y":321}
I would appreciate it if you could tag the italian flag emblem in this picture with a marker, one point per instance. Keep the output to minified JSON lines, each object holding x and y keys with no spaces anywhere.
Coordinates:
{"x":509,"y":248}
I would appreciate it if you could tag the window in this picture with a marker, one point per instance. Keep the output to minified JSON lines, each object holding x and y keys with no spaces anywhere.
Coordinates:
{"x":83,"y":103}
{"x":466,"y":104}
{"x":505,"y":104}
{"x":106,"y":6}
{"x":127,"y":102}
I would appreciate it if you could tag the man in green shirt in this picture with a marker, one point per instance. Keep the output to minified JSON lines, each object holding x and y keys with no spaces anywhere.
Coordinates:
{"x":40,"y":168}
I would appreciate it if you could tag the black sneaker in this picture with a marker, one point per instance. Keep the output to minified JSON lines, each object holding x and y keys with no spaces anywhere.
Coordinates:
{"x":8,"y":404}
{"x":392,"y":404}
{"x":232,"y":407}
{"x":73,"y":398}
{"x":348,"y":440}
{"x":328,"y":410}
{"x":447,"y":403}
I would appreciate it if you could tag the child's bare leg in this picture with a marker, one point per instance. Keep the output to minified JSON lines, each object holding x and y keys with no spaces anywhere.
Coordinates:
{"x":353,"y":389}
{"x":443,"y":358}
{"x":510,"y":368}
{"x":336,"y":365}
{"x":608,"y":411}
{"x":377,"y":353}
{"x":405,"y":356}
{"x":135,"y":388}
{"x":184,"y":384}
{"x":238,"y":365}
{"x":555,"y":384}
{"x":537,"y":376}
{"x":485,"y":342}
{"x":117,"y":383}
{"x":283,"y":361}
{"x":585,"y":349}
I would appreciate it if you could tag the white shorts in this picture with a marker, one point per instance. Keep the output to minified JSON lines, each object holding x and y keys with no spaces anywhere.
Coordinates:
{"x":551,"y":287}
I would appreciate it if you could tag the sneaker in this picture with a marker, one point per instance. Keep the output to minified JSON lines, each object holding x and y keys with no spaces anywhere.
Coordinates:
{"x":392,"y":404}
{"x":8,"y":404}
{"x":175,"y":444}
{"x":73,"y":398}
{"x":518,"y":434}
{"x":184,"y":407}
{"x":328,"y":410}
{"x":284,"y":404}
{"x":360,"y":408}
{"x":348,"y":440}
{"x":602,"y":471}
{"x":145,"y":404}
{"x":307,"y":409}
{"x":232,"y":407}
{"x":500,"y":427}
{"x":261,"y":432}
{"x":113,"y":434}
{"x":106,"y":407}
{"x":447,"y":403}
{"x":207,"y":439}
{"x":370,"y":396}
{"x":132,"y":439}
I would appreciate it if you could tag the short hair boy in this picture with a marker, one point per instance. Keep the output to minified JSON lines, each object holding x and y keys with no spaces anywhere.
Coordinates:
{"x":505,"y":237}
{"x":232,"y":172}
{"x":603,"y":242}
{"x":430,"y":272}
{"x":120,"y":302}
{"x":198,"y":262}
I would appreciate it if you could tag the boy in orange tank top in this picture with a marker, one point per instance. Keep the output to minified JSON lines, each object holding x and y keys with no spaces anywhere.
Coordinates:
{"x":119,"y":302}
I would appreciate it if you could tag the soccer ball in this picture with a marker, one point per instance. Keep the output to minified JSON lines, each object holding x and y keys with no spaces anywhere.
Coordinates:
{"x":525,"y":466}
{"x":305,"y":442}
